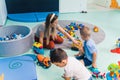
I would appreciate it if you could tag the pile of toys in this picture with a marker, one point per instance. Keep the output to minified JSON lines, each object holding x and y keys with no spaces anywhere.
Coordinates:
{"x":117,"y":49}
{"x":12,"y":37}
{"x":114,"y":72}
{"x":71,"y":28}
{"x":96,"y":73}
{"x":41,"y":59}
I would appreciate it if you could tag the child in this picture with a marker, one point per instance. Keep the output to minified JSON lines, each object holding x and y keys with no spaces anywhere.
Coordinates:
{"x":88,"y":53}
{"x":46,"y":33}
{"x":72,"y":67}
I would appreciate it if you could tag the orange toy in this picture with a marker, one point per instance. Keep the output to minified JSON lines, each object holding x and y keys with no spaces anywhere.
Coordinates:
{"x":114,"y":4}
{"x":95,"y":29}
{"x":43,"y":61}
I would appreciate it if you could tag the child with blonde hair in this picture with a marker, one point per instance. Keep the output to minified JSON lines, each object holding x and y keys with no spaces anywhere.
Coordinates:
{"x":88,"y":52}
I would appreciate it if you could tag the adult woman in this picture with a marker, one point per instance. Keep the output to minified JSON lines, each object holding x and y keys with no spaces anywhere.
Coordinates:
{"x":46,"y":32}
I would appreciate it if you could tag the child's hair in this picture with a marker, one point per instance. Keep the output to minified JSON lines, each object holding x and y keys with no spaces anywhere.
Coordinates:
{"x":85,"y":31}
{"x":57,"y":55}
{"x":50,"y":19}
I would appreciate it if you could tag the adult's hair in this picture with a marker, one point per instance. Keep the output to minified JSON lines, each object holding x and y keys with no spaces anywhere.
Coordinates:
{"x":49,"y":20}
{"x":57,"y":55}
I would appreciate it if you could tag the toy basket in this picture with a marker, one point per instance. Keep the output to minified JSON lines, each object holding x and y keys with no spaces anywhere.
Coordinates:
{"x":16,"y":46}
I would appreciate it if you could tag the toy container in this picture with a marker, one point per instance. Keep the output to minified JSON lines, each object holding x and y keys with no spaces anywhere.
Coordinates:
{"x":15,"y":46}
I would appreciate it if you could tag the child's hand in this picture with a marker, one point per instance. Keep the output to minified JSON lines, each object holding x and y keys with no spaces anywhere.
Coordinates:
{"x":56,"y":36}
{"x":80,"y":48}
{"x":78,"y":44}
{"x":75,"y":42}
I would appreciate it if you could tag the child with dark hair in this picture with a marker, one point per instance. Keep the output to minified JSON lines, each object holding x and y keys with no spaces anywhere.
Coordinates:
{"x":88,"y":53}
{"x":73,"y":68}
{"x":46,"y":32}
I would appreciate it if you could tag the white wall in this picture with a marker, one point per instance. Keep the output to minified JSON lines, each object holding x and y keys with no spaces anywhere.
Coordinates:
{"x":105,"y":3}
{"x":118,"y":2}
{"x":3,"y":12}
{"x":91,"y":1}
{"x":101,"y":3}
{"x":71,"y":5}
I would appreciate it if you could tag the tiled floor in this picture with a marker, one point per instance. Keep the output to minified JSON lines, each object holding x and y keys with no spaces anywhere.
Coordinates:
{"x":106,"y":19}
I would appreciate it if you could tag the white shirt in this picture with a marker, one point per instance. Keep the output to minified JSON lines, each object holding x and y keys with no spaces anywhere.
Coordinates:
{"x":75,"y":69}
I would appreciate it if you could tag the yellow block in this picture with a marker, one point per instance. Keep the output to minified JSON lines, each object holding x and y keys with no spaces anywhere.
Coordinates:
{"x":2,"y":77}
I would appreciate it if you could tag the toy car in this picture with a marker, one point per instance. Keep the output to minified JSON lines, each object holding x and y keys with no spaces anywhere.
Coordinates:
{"x":75,"y":47}
{"x":43,"y":61}
{"x":38,"y":48}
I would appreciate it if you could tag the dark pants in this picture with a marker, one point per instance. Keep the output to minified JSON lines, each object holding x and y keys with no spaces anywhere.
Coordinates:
{"x":84,"y":58}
